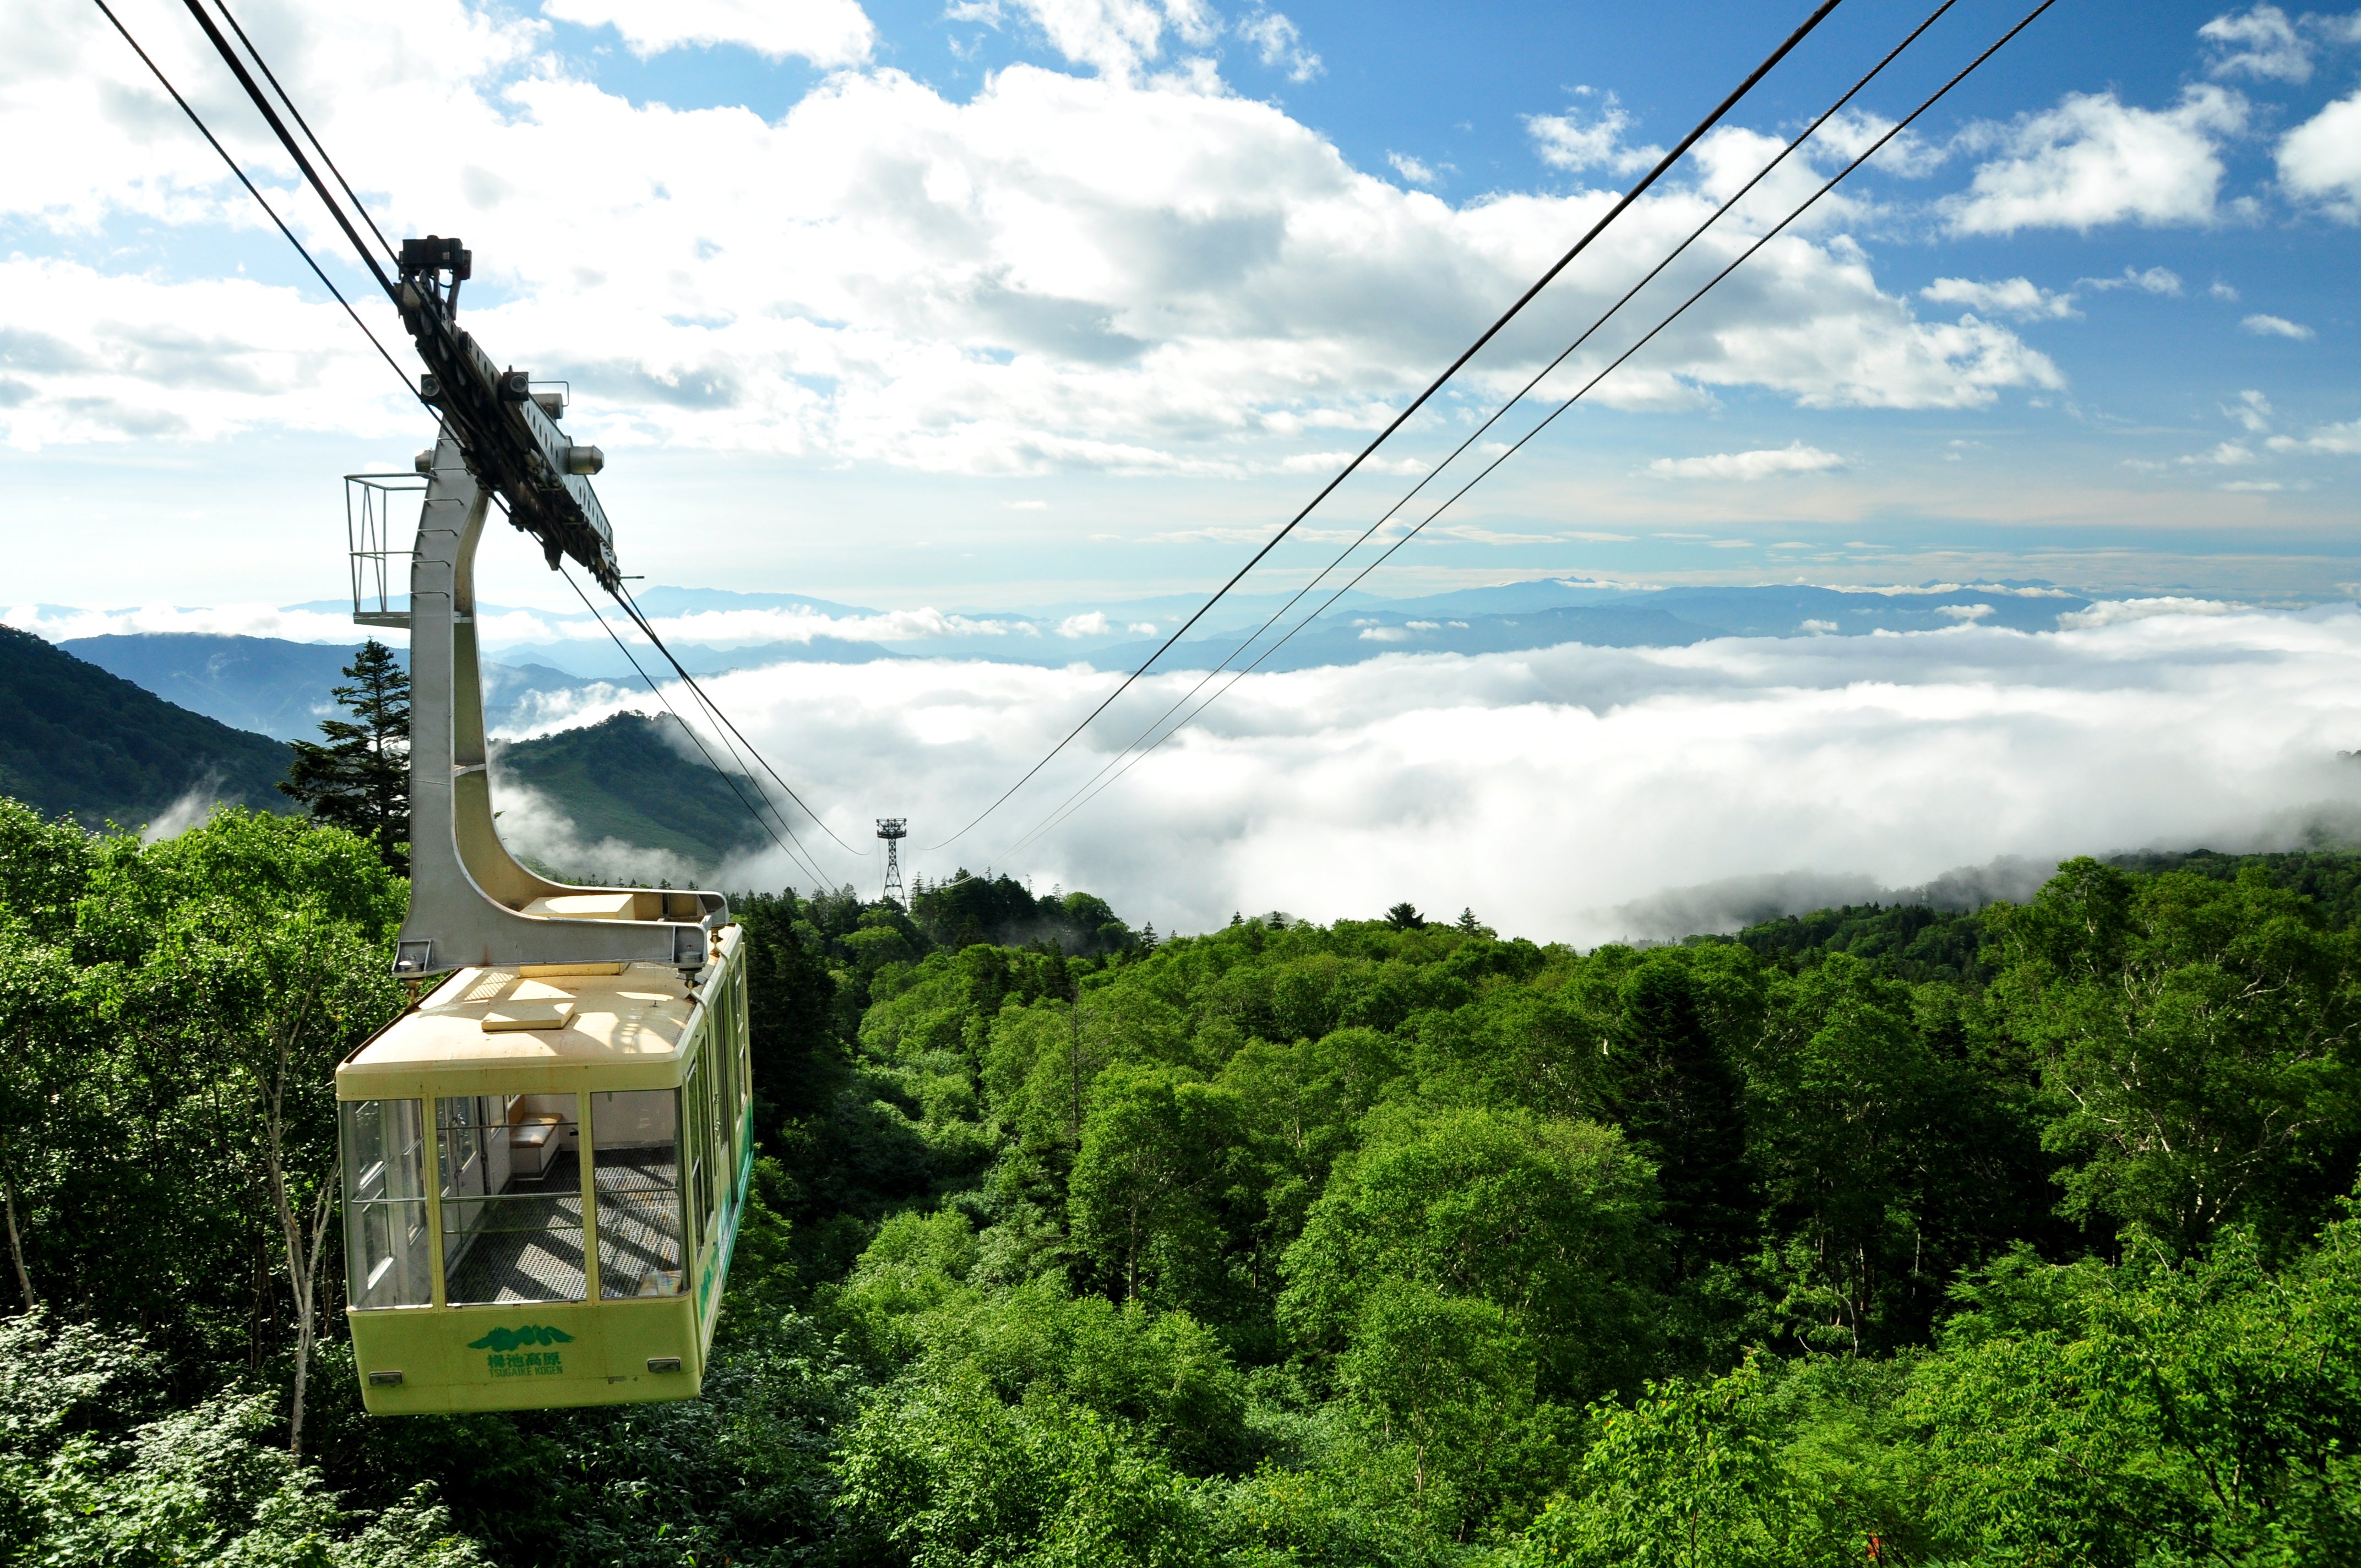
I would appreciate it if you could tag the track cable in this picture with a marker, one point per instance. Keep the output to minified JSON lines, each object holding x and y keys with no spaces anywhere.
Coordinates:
{"x":1065,"y":811}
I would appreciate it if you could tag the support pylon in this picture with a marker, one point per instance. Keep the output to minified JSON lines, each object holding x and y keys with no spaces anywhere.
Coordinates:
{"x":894,"y":830}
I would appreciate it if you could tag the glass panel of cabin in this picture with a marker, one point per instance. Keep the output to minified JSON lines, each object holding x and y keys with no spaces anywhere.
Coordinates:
{"x":386,"y":1247}
{"x":696,"y":1149}
{"x":724,"y":1169}
{"x":721,"y":1036}
{"x":511,"y":1185}
{"x":635,"y":1164}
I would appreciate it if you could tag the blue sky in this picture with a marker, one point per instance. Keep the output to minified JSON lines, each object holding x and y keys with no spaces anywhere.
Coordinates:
{"x":1046,"y":410}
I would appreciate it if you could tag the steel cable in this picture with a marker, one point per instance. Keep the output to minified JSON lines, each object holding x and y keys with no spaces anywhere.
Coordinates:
{"x":1623,"y":204}
{"x":1068,"y":811}
{"x":1722,"y":211}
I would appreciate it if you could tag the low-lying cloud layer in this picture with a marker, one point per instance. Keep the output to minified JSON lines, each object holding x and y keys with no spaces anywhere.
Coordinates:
{"x":1557,"y":792}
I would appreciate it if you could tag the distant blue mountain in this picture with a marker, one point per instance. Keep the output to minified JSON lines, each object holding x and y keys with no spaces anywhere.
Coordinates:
{"x":1522,"y":616}
{"x":281,"y":689}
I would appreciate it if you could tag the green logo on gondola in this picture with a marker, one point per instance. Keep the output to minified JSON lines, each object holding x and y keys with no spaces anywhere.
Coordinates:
{"x":506,"y":1357}
{"x":513,"y":1339}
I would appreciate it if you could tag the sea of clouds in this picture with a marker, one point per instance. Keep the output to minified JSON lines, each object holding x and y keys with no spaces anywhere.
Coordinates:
{"x":1584,"y":794}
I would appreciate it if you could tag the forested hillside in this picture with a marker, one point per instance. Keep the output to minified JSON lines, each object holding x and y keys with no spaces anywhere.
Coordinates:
{"x":633,"y":778}
{"x":77,"y":740}
{"x":2020,"y":1237}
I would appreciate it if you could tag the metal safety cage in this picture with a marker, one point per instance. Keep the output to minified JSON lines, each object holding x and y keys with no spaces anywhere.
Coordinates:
{"x":370,"y":502}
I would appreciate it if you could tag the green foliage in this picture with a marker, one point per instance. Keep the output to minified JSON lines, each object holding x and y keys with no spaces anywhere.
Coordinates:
{"x":2198,"y":1036}
{"x":359,"y":778}
{"x":1546,"y":1221}
{"x":1386,"y":1242}
{"x":968,"y":910}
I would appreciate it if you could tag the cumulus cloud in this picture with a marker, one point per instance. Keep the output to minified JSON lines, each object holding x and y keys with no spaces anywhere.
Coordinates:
{"x":1117,"y":37}
{"x":2335,"y":440}
{"x":2018,"y":297}
{"x":2094,"y":159}
{"x":1129,"y":272}
{"x":2252,"y":410}
{"x":2261,"y":43}
{"x":2320,"y":159}
{"x":825,"y":32}
{"x":1577,"y":141}
{"x":2277,"y":326}
{"x":2119,"y":613}
{"x":2148,"y":280}
{"x":58,"y":623}
{"x":1549,"y":789}
{"x":1280,"y":44}
{"x":115,"y":357}
{"x":1416,"y":171}
{"x":1793,"y":458}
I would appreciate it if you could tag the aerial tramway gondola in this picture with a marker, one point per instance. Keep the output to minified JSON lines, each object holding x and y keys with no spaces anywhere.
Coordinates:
{"x":544,"y":1157}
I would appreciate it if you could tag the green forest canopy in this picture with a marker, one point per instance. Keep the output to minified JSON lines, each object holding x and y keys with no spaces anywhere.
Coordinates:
{"x":2015,"y":1237}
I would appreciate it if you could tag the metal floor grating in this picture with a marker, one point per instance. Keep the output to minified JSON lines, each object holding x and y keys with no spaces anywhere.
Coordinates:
{"x":638,"y":1225}
{"x":528,"y":1244}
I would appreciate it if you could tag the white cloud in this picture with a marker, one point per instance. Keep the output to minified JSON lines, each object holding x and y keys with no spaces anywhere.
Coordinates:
{"x":1416,"y":171}
{"x":1793,"y":458}
{"x":89,"y":356}
{"x":2277,"y":326}
{"x":2260,"y":43}
{"x":1963,"y":612}
{"x":1118,"y":37}
{"x":1138,"y":274}
{"x":2119,"y":613}
{"x":2320,"y":159}
{"x":1601,"y":776}
{"x":2335,"y":440}
{"x":2228,"y":455}
{"x":2252,"y":410}
{"x":2222,"y":291}
{"x":2093,"y":160}
{"x":1092,"y":624}
{"x":1571,"y":142}
{"x":2017,"y":297}
{"x":825,"y":32}
{"x":537,"y":827}
{"x":57,"y":623}
{"x":1280,"y":44}
{"x":2149,"y":280}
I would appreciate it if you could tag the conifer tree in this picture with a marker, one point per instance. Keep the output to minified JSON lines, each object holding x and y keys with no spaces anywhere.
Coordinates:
{"x":359,"y":777}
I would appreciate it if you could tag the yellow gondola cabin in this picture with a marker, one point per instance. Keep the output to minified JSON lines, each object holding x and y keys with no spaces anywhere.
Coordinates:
{"x":543,"y":1168}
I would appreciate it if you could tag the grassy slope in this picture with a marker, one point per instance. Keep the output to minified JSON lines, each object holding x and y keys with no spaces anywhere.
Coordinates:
{"x":77,"y":740}
{"x":623,"y":779}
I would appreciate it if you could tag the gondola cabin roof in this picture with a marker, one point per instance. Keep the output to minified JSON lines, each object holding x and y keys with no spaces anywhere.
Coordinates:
{"x":538,"y":1027}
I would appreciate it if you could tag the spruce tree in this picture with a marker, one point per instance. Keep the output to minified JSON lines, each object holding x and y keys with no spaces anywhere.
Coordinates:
{"x":359,"y":778}
{"x":1682,"y":1102}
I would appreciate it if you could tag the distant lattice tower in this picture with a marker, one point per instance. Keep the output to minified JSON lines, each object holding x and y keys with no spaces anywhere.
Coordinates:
{"x":894,"y":830}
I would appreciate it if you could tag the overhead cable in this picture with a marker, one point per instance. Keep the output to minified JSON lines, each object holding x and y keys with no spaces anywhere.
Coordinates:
{"x":630,"y":608}
{"x":1872,"y":150}
{"x":317,"y":144}
{"x":1719,"y":212}
{"x":1621,"y":205}
{"x":795,"y":853}
{"x":287,"y":140}
{"x":203,"y":130}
